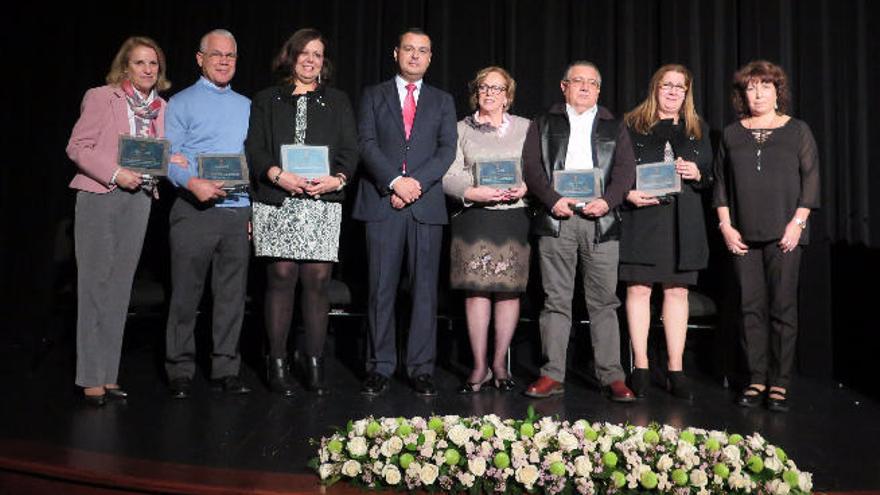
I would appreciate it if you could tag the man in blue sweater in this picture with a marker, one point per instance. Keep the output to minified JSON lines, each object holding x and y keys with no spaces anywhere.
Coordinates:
{"x":209,"y":227}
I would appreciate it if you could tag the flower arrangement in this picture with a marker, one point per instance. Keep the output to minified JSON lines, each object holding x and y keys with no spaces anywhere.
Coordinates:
{"x":542,"y":455}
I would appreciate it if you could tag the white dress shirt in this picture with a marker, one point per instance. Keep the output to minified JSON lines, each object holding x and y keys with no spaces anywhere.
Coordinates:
{"x":401,"y":89}
{"x":579,"y":155}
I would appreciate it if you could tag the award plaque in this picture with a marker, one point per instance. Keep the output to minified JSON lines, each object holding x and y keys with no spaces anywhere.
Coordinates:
{"x":232,"y":169}
{"x":307,"y":161}
{"x":585,"y":185}
{"x":658,"y":179}
{"x":500,"y":174}
{"x":145,"y":156}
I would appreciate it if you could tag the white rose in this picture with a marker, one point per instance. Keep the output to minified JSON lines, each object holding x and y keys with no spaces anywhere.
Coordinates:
{"x":477,"y":466}
{"x":552,"y":457}
{"x":360,"y":427}
{"x":527,"y":475}
{"x":466,"y":479}
{"x":357,"y":446}
{"x":737,"y":480}
{"x":414,"y":469}
{"x":542,"y":439}
{"x":582,"y":466}
{"x":778,"y":487}
{"x":604,"y":443}
{"x":805,"y":482}
{"x":614,"y":430}
{"x":389,"y":425}
{"x":392,"y":446}
{"x":458,"y":434}
{"x":699,"y":478}
{"x":428,"y":473}
{"x":450,"y":420}
{"x":426,"y":451}
{"x":534,"y":456}
{"x":756,"y":442}
{"x":664,"y":463}
{"x":391,"y":474}
{"x":567,"y":441}
{"x":325,"y":471}
{"x":351,"y":468}
{"x":772,"y":463}
{"x":517,"y":449}
{"x":668,"y":434}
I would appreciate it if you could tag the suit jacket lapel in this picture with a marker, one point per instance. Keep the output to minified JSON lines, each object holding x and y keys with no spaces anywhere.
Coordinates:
{"x":425,"y":100}
{"x":120,"y":111}
{"x":393,"y":101}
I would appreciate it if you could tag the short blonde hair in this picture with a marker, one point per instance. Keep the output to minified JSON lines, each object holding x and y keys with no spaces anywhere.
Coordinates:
{"x":481,"y":76}
{"x":120,"y":62}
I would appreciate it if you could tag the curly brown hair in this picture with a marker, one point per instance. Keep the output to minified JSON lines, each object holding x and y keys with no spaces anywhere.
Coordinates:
{"x":763,"y":71}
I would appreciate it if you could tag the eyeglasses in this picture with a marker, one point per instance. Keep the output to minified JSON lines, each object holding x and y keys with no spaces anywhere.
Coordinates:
{"x":673,"y":88}
{"x":220,"y":55}
{"x":579,"y":81}
{"x":491,"y":90}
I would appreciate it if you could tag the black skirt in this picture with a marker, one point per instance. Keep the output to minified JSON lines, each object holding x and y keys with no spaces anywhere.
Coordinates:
{"x":665,"y":255}
{"x":490,"y":250}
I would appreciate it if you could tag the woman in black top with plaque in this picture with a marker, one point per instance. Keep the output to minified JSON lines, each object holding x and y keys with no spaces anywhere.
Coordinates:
{"x":767,"y":171}
{"x":663,"y":239}
{"x":297,"y":220}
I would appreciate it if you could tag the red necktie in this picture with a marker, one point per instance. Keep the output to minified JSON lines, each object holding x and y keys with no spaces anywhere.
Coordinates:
{"x":409,"y":113}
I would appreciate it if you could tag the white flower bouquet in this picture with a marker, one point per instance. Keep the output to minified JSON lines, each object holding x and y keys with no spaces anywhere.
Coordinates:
{"x":542,"y":455}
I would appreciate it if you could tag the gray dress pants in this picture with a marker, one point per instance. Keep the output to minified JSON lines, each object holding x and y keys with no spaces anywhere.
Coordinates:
{"x":109,"y":234}
{"x":214,"y":238}
{"x":559,"y":257}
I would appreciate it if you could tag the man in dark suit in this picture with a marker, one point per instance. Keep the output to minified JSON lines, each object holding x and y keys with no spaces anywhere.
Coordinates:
{"x":407,"y":142}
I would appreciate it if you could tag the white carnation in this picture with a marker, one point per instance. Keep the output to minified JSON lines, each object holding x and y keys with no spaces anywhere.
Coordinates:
{"x":391,"y":474}
{"x":351,"y":468}
{"x":360,"y":427}
{"x":582,"y":466}
{"x":430,"y":436}
{"x":738,"y":480}
{"x":778,"y":487}
{"x":426,"y":451}
{"x":567,"y":441}
{"x":773,"y":464}
{"x":325,"y":471}
{"x":527,"y":475}
{"x":357,"y":446}
{"x":389,"y":425}
{"x":552,"y":457}
{"x":477,"y":466}
{"x":605,"y":442}
{"x":428,"y":474}
{"x":466,"y":479}
{"x":542,"y":439}
{"x":805,"y":482}
{"x":699,"y":478}
{"x":413,"y":469}
{"x":731,"y":454}
{"x":664,"y":463}
{"x":505,"y":432}
{"x":549,"y":425}
{"x":614,"y":430}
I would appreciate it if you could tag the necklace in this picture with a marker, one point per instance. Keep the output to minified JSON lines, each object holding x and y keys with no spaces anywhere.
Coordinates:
{"x":760,"y":136}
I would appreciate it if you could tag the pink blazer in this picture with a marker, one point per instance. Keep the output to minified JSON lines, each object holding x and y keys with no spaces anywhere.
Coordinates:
{"x":94,"y":142}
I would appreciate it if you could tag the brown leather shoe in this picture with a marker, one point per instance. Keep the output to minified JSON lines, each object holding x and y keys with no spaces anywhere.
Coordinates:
{"x":619,"y":392}
{"x":545,"y":387}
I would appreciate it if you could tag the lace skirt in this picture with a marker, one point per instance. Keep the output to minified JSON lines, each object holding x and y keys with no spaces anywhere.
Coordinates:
{"x":490,"y":250}
{"x":299,"y":229}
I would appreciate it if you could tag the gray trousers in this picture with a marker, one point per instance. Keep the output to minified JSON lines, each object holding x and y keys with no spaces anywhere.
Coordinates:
{"x":768,"y":283}
{"x":109,"y":234}
{"x":215,"y":238}
{"x":559,"y":259}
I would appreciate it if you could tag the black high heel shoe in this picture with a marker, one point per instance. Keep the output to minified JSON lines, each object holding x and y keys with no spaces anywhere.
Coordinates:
{"x":468,"y":388}
{"x":751,"y":396}
{"x":777,"y":401}
{"x":679,"y":386}
{"x":95,"y":400}
{"x":115,"y":393}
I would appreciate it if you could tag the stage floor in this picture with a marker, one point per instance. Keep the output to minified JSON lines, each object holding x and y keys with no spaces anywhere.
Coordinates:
{"x":831,"y":431}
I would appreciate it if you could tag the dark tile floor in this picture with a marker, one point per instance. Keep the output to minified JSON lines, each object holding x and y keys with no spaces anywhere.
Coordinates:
{"x":831,"y":431}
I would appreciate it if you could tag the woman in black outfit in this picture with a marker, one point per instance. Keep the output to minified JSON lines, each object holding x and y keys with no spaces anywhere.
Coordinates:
{"x":767,"y":172}
{"x":297,"y":221}
{"x":663,"y":240}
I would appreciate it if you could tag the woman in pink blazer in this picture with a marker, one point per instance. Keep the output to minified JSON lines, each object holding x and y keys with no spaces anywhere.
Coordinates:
{"x":112,"y":208}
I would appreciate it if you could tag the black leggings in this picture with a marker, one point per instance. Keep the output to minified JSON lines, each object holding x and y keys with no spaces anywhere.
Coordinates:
{"x":282,"y":277}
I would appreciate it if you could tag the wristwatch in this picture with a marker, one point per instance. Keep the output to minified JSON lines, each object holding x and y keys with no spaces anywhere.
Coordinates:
{"x":800,"y":222}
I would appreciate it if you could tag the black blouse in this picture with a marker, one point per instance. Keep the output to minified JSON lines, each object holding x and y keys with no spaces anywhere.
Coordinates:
{"x":273,"y":123}
{"x":764,"y":183}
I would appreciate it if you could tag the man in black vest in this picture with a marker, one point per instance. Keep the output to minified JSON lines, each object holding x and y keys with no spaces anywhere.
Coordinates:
{"x":579,"y":135}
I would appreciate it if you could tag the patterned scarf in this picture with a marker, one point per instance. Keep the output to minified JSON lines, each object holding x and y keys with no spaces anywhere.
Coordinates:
{"x":145,"y":109}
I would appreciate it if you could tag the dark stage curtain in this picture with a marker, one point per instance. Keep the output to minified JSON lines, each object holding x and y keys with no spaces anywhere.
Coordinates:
{"x":825,"y":46}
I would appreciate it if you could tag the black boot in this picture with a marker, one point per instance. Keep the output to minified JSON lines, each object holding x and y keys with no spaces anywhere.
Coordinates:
{"x":279,"y":376}
{"x":639,"y":381}
{"x":680,"y":386}
{"x":314,"y":368}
